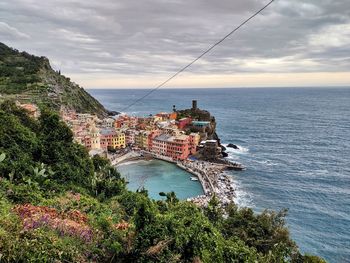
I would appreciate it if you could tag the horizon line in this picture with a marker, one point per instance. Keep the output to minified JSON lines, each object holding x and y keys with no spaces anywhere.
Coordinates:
{"x":248,"y":87}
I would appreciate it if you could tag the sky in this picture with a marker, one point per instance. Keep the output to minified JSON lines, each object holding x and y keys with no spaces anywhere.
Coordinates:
{"x":140,"y":43}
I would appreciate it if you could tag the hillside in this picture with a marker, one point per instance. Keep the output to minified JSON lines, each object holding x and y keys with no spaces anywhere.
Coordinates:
{"x":59,"y":205}
{"x":30,"y":79}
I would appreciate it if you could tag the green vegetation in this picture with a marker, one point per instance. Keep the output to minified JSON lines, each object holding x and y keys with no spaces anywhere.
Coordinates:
{"x":30,"y":79}
{"x":18,"y":70}
{"x":59,"y":205}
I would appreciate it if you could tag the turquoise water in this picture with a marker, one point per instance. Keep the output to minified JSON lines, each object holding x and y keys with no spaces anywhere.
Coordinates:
{"x":295,"y":143}
{"x":158,"y":176}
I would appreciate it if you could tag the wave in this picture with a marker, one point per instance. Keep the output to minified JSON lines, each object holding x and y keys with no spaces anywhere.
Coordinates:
{"x":243,"y":198}
{"x":233,"y":158}
{"x":240,"y":150}
{"x":267,"y":162}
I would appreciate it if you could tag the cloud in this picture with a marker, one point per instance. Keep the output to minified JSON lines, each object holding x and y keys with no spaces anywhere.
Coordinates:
{"x":11,"y":32}
{"x":154,"y":38}
{"x":74,"y":37}
{"x":334,"y":36}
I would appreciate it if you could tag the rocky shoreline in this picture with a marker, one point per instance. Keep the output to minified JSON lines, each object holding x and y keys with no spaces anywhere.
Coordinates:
{"x":213,"y":175}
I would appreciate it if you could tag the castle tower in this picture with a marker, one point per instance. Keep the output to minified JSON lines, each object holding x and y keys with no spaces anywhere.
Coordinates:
{"x":194,"y":105}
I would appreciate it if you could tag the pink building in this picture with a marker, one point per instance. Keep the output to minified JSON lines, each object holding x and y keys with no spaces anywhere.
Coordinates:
{"x":150,"y":138}
{"x":106,"y":138}
{"x":176,"y":147}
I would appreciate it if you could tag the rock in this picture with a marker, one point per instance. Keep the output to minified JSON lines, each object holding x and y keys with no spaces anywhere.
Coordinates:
{"x":224,"y":154}
{"x":234,"y":146}
{"x":113,"y":113}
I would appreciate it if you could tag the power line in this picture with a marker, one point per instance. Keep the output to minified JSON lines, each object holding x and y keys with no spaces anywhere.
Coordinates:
{"x":199,"y":57}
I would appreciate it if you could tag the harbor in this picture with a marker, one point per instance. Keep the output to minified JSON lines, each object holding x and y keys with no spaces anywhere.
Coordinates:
{"x":212,"y":176}
{"x":157,"y":176}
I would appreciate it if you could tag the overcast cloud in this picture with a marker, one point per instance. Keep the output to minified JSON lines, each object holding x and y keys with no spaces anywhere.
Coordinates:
{"x":154,"y":38}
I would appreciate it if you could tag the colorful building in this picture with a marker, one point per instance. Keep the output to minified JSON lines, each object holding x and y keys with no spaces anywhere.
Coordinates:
{"x":151,"y":136}
{"x":86,"y":141}
{"x":125,"y":121}
{"x":164,"y":116}
{"x":194,"y":139}
{"x":141,"y":139}
{"x":176,"y":147}
{"x":108,"y":122}
{"x":112,"y":139}
{"x":130,"y":136}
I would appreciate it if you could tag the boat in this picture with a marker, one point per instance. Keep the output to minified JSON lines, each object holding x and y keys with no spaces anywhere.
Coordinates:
{"x":194,"y":178}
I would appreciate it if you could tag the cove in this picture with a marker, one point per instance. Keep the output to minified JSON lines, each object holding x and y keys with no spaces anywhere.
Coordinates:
{"x":159,"y":176}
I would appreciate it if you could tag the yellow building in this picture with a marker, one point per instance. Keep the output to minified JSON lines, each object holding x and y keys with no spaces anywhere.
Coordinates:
{"x":113,"y":139}
{"x":119,"y":140}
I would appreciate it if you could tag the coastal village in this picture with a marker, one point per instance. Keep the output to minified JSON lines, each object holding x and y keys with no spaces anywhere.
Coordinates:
{"x":186,"y":138}
{"x":164,"y":134}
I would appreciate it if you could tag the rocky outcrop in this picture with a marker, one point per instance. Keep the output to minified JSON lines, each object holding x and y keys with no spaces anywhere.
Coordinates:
{"x":213,"y":152}
{"x":234,"y":146}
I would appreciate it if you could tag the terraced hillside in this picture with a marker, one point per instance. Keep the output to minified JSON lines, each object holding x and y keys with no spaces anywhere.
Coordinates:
{"x":28,"y":78}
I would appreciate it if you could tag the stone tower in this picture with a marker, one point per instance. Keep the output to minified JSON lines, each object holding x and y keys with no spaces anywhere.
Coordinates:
{"x":194,"y":105}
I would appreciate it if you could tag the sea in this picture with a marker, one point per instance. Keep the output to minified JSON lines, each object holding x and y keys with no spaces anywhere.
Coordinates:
{"x":295,"y":143}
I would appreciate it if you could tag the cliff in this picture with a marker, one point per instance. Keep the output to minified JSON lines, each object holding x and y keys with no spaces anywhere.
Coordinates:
{"x":31,"y":79}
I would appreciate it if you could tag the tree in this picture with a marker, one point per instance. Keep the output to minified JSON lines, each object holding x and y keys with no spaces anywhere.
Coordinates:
{"x":213,"y":211}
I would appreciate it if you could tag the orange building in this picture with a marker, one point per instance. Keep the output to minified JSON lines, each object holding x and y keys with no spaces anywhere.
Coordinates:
{"x":194,"y":139}
{"x":164,"y":116}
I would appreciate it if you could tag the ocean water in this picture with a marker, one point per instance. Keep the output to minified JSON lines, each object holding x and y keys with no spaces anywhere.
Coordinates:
{"x":295,"y":143}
